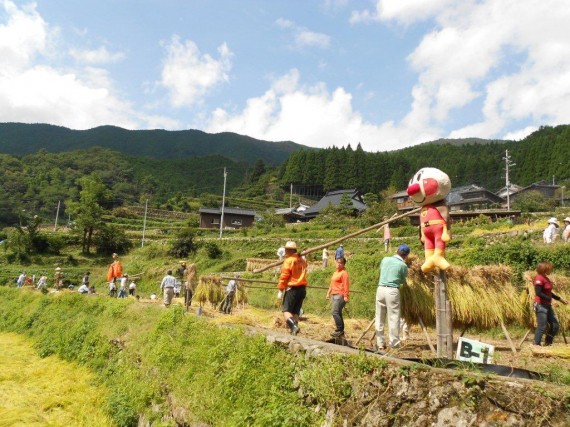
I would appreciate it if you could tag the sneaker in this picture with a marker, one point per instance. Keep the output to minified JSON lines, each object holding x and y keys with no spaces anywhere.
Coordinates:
{"x":337,"y":334}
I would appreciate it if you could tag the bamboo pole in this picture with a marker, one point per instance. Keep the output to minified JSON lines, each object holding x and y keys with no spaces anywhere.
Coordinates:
{"x":442,"y":320}
{"x":508,"y":336}
{"x":528,"y":331}
{"x":342,"y":239}
{"x":431,"y":347}
{"x":275,"y":283}
{"x":365,"y":331}
{"x":449,"y":322}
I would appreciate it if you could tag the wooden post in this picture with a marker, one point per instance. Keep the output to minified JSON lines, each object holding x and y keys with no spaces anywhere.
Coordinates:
{"x":504,"y":328}
{"x":449,"y":322}
{"x":431,"y":347}
{"x":444,"y":338}
{"x":365,"y":331}
{"x":528,"y":331}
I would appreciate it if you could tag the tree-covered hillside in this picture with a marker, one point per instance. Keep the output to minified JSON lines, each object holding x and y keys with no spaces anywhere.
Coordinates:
{"x":540,"y":156}
{"x":21,"y":139}
{"x":37,"y":182}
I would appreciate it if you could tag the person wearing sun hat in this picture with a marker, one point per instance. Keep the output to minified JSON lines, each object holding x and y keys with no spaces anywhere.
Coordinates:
{"x":292,"y":286}
{"x":566,"y":231}
{"x":551,"y":231}
{"x":393,"y":274}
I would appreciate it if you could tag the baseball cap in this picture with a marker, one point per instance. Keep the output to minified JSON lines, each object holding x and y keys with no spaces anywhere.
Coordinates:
{"x":405,"y":249}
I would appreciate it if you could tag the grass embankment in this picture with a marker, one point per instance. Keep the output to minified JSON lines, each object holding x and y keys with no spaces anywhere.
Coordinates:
{"x":49,"y":391}
{"x":165,"y":366}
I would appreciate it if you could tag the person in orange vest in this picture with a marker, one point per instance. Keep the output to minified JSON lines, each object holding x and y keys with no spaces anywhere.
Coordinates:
{"x":292,"y":286}
{"x":115,"y":269}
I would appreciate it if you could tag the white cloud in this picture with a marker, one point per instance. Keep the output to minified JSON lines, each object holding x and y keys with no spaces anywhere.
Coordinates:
{"x":520,"y":134}
{"x":312,"y":116}
{"x":403,"y":11}
{"x":303,"y":37}
{"x":512,"y":57}
{"x":188,"y":75}
{"x":96,"y":56}
{"x":32,"y":91}
{"x":24,"y":35}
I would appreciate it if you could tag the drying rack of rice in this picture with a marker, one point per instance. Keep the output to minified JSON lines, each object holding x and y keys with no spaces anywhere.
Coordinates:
{"x":561,"y":288}
{"x":211,"y":289}
{"x":481,"y":296}
{"x":259,"y":263}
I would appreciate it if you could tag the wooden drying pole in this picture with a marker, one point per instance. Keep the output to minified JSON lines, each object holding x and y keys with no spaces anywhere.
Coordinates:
{"x":443,"y":316}
{"x":342,"y":239}
{"x":273,"y":283}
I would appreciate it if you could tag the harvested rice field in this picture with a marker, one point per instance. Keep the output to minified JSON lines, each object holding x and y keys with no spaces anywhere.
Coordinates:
{"x":45,"y":392}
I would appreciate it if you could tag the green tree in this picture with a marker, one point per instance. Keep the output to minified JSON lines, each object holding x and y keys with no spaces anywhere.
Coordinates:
{"x":533,"y":201}
{"x":88,"y":211}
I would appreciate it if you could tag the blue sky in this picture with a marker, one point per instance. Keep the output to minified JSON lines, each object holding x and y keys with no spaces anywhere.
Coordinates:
{"x":385,"y":73}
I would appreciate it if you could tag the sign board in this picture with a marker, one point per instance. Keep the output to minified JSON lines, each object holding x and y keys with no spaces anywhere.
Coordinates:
{"x":474,"y":351}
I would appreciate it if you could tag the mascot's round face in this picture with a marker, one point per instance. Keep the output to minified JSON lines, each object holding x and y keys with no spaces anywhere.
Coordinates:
{"x":429,"y":185}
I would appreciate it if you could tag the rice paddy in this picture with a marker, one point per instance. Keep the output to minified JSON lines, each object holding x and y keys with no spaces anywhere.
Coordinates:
{"x":45,"y":392}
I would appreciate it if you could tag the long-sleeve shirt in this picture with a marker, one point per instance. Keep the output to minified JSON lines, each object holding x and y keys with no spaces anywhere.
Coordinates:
{"x":168,"y":282}
{"x":393,"y":272}
{"x":293,"y":272}
{"x":340,"y":284}
{"x":550,"y":233}
{"x":543,"y":290}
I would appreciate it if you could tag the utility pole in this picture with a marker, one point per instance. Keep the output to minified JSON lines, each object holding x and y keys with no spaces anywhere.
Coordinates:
{"x":508,"y":165}
{"x":56,"y":215}
{"x":144,"y":222}
{"x":291,"y":197}
{"x":223,"y":203}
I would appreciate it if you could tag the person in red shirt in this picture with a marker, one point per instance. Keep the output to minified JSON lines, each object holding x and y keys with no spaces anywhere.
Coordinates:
{"x":339,"y":290}
{"x":292,"y":286}
{"x":545,"y":315}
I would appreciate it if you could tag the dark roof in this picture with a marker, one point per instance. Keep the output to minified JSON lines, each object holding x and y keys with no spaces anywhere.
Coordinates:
{"x":334,"y":198}
{"x":233,"y":211}
{"x":471,"y":194}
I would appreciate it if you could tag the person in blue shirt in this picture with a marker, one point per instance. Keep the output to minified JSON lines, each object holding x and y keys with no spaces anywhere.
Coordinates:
{"x":339,"y":253}
{"x":393,"y":274}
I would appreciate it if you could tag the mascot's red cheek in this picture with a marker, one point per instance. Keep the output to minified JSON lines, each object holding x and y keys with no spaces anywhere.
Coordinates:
{"x":430,"y":186}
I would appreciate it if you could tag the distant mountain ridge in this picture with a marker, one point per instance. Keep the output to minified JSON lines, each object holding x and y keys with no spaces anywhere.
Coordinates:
{"x":21,"y":139}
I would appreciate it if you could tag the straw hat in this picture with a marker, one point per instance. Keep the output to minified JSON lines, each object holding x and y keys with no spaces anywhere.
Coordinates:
{"x":567,"y":219}
{"x":290,"y":245}
{"x":553,"y":221}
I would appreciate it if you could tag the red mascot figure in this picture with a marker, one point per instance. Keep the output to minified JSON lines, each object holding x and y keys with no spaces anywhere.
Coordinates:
{"x":428,"y":188}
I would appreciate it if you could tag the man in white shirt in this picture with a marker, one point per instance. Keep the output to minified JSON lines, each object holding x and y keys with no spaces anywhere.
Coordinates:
{"x":167,"y":287}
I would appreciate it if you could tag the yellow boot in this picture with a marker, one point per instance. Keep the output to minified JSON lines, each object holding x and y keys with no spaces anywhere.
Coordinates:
{"x":428,"y":264}
{"x":439,"y":260}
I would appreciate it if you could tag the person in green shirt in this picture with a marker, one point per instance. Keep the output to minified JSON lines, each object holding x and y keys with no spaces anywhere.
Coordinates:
{"x":393,"y":274}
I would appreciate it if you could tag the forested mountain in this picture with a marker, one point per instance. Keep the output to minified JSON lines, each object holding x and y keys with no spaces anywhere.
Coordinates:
{"x":540,"y":156}
{"x":36,"y":182}
{"x":21,"y":139}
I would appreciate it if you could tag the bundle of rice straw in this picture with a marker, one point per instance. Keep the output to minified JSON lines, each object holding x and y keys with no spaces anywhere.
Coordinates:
{"x":556,"y":350}
{"x":561,"y":288}
{"x":212,"y":289}
{"x":257,"y":263}
{"x":481,"y":296}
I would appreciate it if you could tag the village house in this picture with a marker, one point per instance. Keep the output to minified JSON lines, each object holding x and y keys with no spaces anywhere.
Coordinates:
{"x":233,"y":217}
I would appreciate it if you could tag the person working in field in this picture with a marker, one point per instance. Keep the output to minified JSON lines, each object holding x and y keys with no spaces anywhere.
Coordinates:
{"x":339,"y":290}
{"x":115,"y":270}
{"x":393,"y":274}
{"x":545,"y":315}
{"x":167,"y":287}
{"x":293,"y":286}
{"x":228,"y":302}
